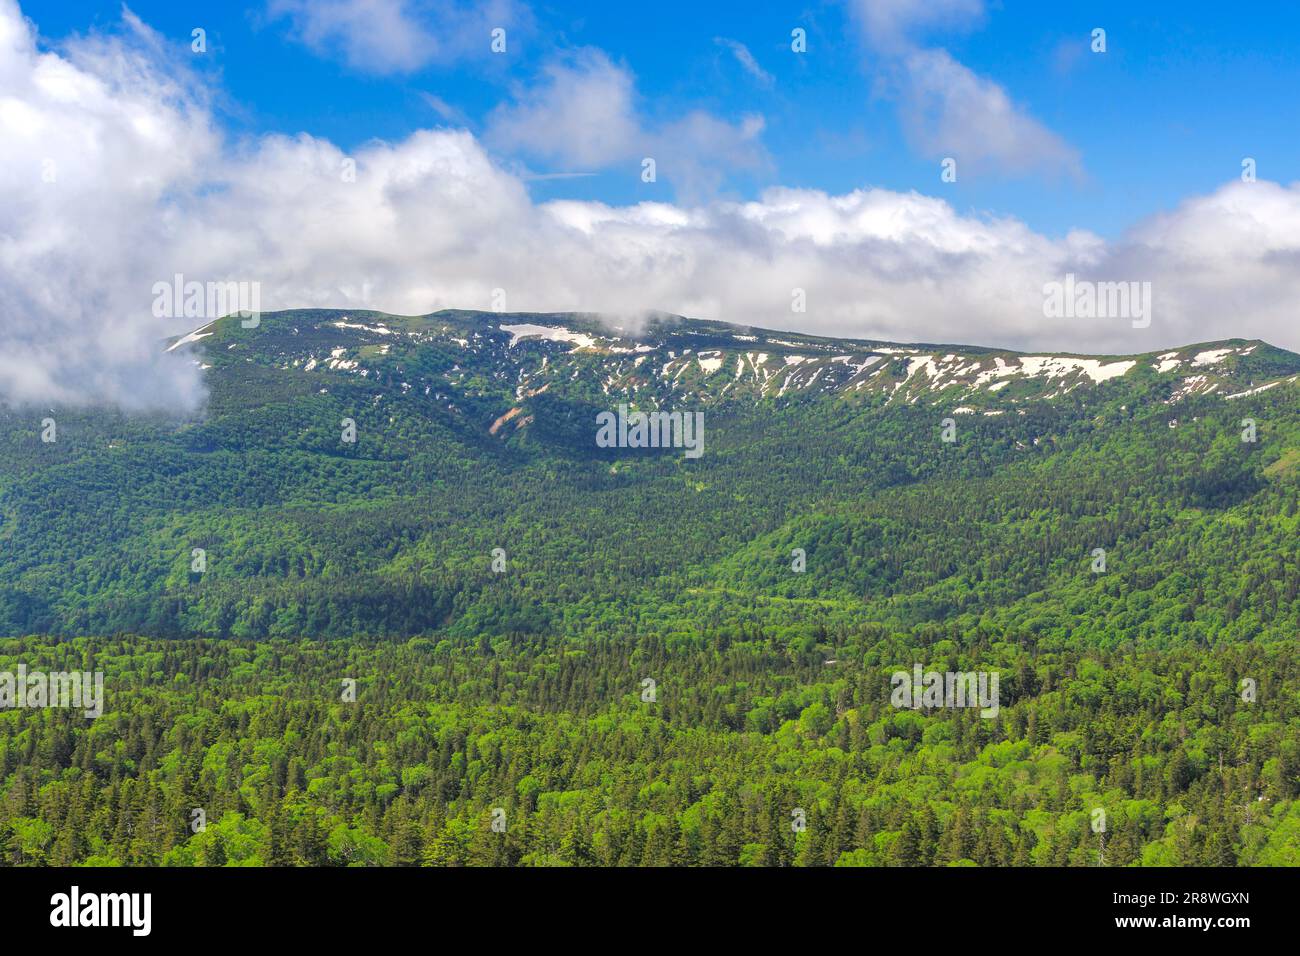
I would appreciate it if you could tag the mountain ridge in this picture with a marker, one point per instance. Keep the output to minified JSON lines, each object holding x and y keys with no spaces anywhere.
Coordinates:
{"x":601,"y":323}
{"x":502,"y":362}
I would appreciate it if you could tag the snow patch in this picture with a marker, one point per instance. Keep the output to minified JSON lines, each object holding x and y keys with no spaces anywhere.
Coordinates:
{"x":192,"y":337}
{"x":1254,"y":391}
{"x":1211,"y":356}
{"x":525,"y":331}
{"x":376,"y":329}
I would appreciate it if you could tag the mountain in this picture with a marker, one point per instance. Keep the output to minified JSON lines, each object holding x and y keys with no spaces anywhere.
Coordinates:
{"x":636,"y":656}
{"x":476,"y":431}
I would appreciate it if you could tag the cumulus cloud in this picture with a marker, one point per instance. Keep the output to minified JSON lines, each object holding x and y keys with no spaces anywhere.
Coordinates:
{"x":93,"y":144}
{"x":146,"y":188}
{"x":584,"y":112}
{"x":1225,"y":264}
{"x":397,"y":36}
{"x":874,"y":263}
{"x":948,"y":110}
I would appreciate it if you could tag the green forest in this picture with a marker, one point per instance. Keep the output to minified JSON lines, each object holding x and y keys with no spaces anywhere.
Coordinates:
{"x":453,"y":643}
{"x":579,"y":769}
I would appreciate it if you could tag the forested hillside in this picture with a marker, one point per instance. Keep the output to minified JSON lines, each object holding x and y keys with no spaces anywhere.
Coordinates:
{"x":1115,"y":537}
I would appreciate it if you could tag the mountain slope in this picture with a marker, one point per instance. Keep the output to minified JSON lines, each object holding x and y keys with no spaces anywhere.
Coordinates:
{"x":475,"y":432}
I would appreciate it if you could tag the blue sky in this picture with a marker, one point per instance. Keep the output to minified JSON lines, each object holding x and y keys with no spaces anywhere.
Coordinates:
{"x":1183,"y":92}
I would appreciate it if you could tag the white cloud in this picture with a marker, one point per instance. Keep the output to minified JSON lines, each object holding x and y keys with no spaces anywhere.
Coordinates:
{"x":747,"y":61}
{"x":891,"y":24}
{"x":1225,"y":264}
{"x":948,"y":110}
{"x":146,"y":188}
{"x":585,"y":113}
{"x":445,"y":110}
{"x":951,"y":111}
{"x":398,"y":36}
{"x":582,"y":112}
{"x":92,"y":147}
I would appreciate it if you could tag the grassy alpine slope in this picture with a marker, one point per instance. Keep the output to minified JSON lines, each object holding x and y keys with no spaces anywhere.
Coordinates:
{"x":522,"y":691}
